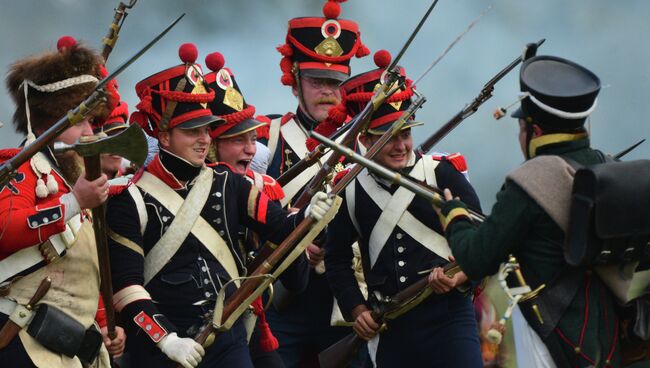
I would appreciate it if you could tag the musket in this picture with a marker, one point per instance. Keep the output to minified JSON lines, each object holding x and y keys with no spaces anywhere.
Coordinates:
{"x":73,"y":117}
{"x":342,"y":352}
{"x":268,"y":257}
{"x":114,"y":29}
{"x":132,"y":145}
{"x":359,"y":123}
{"x":472,"y":107}
{"x":430,"y":193}
{"x":315,"y":155}
{"x":627,"y":150}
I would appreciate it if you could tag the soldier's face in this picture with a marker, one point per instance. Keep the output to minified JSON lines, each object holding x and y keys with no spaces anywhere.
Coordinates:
{"x":72,"y":134}
{"x":395,"y":154}
{"x":189,"y":144}
{"x":237,"y":151}
{"x":318,"y":96}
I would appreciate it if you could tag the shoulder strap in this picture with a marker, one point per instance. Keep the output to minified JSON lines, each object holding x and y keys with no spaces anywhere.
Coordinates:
{"x":186,"y":219}
{"x":139,"y":206}
{"x":350,"y":200}
{"x":274,"y":135}
{"x":395,"y":213}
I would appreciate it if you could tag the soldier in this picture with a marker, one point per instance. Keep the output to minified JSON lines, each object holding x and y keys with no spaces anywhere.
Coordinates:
{"x":558,"y":96}
{"x":235,"y":144}
{"x":316,"y":59}
{"x":46,"y":228}
{"x":397,"y":245}
{"x":173,"y":232}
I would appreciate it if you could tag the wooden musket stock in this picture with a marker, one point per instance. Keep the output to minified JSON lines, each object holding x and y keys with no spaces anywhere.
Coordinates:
{"x":341,"y":353}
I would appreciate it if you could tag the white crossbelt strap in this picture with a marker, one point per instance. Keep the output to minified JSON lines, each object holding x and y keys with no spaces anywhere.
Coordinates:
{"x":186,"y":219}
{"x":274,"y":135}
{"x":296,"y":137}
{"x":29,"y":257}
{"x":394,"y":213}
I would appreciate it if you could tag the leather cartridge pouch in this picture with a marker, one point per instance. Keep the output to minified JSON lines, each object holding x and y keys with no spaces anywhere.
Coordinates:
{"x":610,"y":214}
{"x":60,"y":333}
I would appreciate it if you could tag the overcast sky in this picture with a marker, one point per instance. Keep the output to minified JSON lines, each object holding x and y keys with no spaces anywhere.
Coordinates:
{"x":608,"y":37}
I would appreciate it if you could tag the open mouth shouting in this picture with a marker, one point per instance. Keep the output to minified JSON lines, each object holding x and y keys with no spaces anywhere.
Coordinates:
{"x":242,"y":165}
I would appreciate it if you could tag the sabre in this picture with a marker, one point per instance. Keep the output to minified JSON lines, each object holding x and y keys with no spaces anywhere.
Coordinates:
{"x":73,"y":117}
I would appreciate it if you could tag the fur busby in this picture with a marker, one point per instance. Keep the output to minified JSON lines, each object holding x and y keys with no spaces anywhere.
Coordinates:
{"x":229,"y":103}
{"x":320,"y":47}
{"x":57,"y":82}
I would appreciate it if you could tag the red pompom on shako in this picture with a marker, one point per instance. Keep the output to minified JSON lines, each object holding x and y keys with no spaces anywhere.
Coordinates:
{"x":321,"y":47}
{"x":188,"y":53}
{"x":382,"y":59}
{"x":229,"y":103}
{"x":184,"y":85}
{"x":65,"y":42}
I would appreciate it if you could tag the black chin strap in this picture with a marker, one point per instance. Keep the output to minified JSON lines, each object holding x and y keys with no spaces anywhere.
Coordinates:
{"x":529,"y":137}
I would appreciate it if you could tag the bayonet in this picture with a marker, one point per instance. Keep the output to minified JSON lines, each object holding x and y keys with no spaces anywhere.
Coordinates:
{"x":628,"y":150}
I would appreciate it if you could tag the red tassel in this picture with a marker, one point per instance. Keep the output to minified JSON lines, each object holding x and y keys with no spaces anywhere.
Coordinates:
{"x":145,"y":104}
{"x":142,"y":120}
{"x":288,"y":80}
{"x":362,"y":50}
{"x":285,"y":50}
{"x":263,"y":131}
{"x":268,"y":342}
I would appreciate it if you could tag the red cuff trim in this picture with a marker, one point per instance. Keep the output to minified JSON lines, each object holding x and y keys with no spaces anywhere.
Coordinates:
{"x":155,"y":331}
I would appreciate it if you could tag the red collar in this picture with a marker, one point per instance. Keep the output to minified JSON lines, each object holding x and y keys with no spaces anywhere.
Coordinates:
{"x":158,"y":170}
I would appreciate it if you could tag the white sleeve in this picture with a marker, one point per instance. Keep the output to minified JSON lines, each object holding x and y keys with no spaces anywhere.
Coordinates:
{"x":69,"y":202}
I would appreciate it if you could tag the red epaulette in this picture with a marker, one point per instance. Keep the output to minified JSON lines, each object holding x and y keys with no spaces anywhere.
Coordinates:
{"x":7,"y":153}
{"x":118,"y":188}
{"x":271,"y":188}
{"x":263,"y":131}
{"x":340,"y":176}
{"x":456,"y":159}
{"x":285,"y":119}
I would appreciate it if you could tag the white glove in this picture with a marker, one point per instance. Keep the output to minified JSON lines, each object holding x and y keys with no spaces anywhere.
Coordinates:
{"x":319,"y":205}
{"x":184,"y":351}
